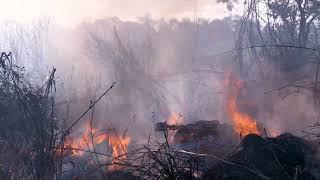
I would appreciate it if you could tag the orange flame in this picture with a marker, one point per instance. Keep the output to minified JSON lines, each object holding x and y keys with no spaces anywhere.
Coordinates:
{"x":174,"y":119}
{"x":119,"y":149}
{"x":243,"y":123}
{"x":87,"y":140}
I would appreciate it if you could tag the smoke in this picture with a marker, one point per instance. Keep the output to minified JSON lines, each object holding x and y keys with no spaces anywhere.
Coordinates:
{"x":161,"y":67}
{"x":71,"y":13}
{"x":281,"y":109}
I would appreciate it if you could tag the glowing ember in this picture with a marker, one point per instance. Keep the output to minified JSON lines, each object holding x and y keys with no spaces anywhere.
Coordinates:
{"x":243,"y":123}
{"x":119,"y":149}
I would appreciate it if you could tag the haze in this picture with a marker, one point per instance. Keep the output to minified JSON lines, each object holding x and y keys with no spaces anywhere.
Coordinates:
{"x":69,"y":13}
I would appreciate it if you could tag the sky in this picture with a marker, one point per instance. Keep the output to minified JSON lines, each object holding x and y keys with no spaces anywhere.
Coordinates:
{"x":72,"y":12}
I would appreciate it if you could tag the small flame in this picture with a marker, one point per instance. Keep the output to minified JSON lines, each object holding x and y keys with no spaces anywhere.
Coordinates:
{"x":119,"y":146}
{"x":274,"y":132}
{"x":174,"y":119}
{"x":243,"y":123}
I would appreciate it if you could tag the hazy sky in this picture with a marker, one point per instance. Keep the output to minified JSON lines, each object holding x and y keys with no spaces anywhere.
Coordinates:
{"x":72,"y":12}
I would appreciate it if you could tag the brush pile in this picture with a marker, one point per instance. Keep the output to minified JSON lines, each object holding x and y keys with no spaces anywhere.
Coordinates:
{"x":253,"y":157}
{"x":282,"y":157}
{"x":210,"y":137}
{"x":28,"y":124}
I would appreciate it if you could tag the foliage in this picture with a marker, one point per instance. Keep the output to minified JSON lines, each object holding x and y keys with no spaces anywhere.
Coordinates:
{"x":28,"y":124}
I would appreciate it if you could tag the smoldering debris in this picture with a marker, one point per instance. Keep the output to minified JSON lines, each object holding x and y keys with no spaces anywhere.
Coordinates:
{"x":283,"y":157}
{"x":210,"y":137}
{"x":253,"y":157}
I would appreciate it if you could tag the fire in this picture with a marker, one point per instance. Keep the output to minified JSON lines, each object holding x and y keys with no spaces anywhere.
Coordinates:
{"x":87,"y":140}
{"x":119,"y":146}
{"x":90,"y":138}
{"x":174,"y":119}
{"x":243,"y":123}
{"x":274,"y":132}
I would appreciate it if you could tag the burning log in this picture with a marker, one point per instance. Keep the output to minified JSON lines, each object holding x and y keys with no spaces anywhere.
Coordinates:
{"x":202,"y":136}
{"x":163,"y":126}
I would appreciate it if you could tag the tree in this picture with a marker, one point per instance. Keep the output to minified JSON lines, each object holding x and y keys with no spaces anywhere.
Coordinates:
{"x":280,"y":23}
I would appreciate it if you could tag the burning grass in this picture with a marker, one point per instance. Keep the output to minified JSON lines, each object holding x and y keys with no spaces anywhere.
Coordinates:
{"x":35,"y":146}
{"x":119,"y":150}
{"x":87,"y":140}
{"x":112,"y":146}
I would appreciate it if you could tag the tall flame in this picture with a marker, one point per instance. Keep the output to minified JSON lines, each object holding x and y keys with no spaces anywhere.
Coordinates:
{"x":243,"y":123}
{"x":174,"y":119}
{"x":119,"y":146}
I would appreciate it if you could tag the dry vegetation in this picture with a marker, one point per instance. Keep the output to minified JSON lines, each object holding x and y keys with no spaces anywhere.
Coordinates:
{"x":36,"y":139}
